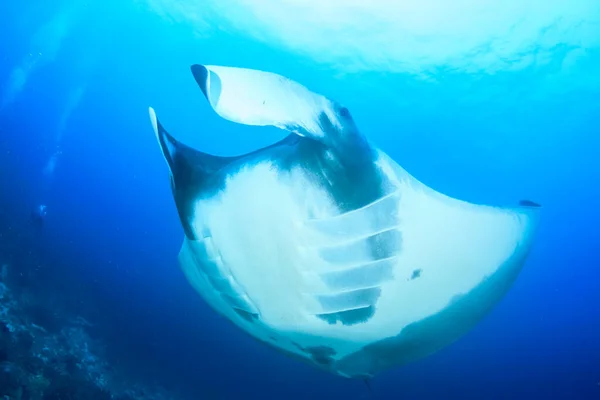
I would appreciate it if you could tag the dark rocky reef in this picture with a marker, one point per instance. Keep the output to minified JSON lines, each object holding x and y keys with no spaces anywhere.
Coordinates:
{"x":48,"y":355}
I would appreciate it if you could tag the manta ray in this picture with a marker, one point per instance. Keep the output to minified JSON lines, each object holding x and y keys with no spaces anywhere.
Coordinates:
{"x":321,"y":245}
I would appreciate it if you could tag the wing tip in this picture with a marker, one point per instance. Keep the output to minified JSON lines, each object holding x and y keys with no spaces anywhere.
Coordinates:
{"x":529,"y":204}
{"x":200,"y":73}
{"x":165,"y":141}
{"x":153,"y":120}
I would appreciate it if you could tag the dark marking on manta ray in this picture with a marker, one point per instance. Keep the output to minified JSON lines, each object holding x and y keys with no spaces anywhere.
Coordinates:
{"x":416,"y":274}
{"x":298,"y":346}
{"x":301,"y":357}
{"x":320,"y":354}
{"x":350,"y":317}
{"x":250,"y":317}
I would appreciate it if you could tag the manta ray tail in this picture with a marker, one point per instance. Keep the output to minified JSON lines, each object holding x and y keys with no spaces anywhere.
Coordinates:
{"x":367,"y":382}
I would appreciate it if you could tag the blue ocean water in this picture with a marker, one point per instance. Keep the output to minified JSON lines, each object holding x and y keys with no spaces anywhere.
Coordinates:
{"x":487,"y":101}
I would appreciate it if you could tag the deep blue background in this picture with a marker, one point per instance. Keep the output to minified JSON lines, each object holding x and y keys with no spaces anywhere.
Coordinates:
{"x":112,"y":233}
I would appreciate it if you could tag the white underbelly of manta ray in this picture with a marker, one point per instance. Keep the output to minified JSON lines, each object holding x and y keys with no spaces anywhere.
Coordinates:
{"x":325,"y":248}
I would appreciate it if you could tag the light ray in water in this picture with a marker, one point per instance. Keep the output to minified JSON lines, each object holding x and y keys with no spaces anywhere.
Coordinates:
{"x":71,"y":105}
{"x":82,"y":70}
{"x":44,"y":47}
